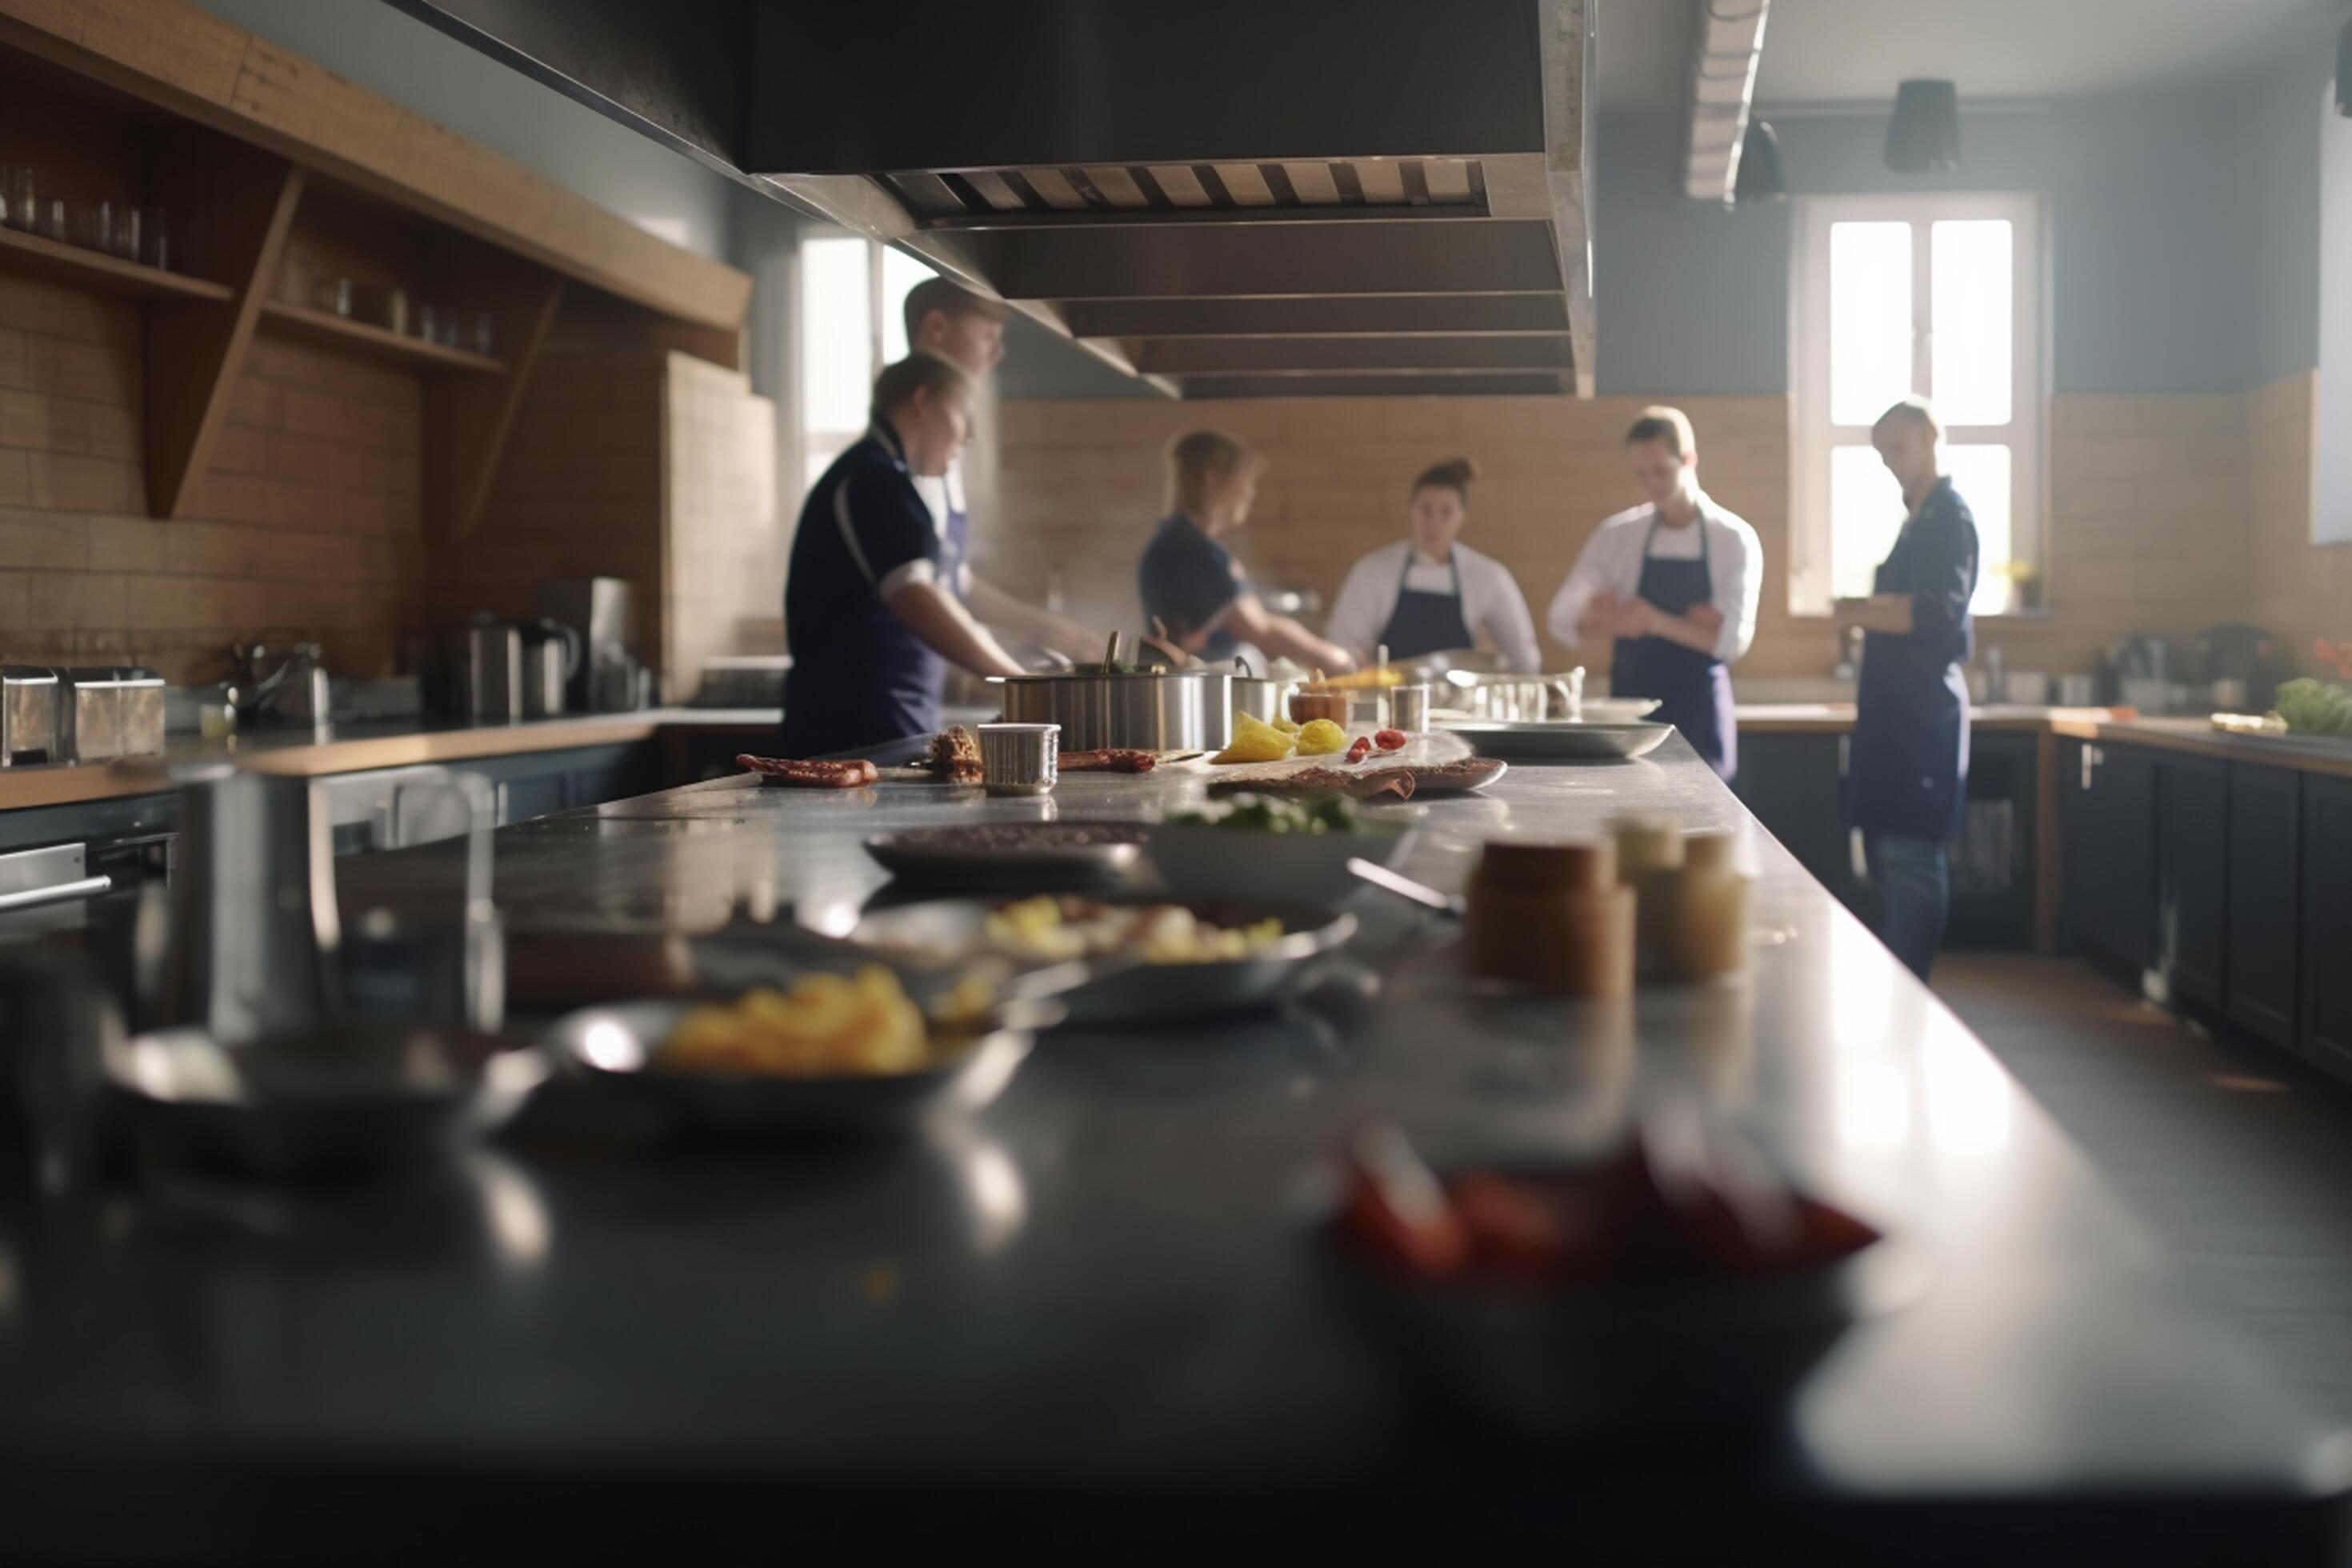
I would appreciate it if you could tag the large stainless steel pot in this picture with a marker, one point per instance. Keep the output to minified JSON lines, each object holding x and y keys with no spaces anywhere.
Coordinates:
{"x":1180,"y":710}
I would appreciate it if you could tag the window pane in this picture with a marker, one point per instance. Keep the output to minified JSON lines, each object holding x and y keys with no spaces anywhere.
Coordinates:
{"x":901,"y":272}
{"x":1865,"y":514}
{"x":836,"y":336}
{"x":1870,"y":319}
{"x":1971,"y":280}
{"x":1981,"y":476}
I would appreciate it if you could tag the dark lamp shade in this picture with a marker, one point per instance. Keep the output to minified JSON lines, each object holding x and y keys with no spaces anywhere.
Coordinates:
{"x":1761,"y":178}
{"x":1925,"y":136}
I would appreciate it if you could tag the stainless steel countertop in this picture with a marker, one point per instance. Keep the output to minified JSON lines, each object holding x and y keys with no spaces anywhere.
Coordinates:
{"x":1099,"y":1288}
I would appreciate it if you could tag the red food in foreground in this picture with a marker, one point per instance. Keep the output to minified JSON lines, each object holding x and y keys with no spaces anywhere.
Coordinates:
{"x":1361,"y":749}
{"x":1396,"y":1210}
{"x":1109,"y":759}
{"x":811,"y":776}
{"x":1390,"y":740}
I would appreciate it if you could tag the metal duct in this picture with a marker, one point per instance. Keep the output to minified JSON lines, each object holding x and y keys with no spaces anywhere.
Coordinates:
{"x":1729,"y":42}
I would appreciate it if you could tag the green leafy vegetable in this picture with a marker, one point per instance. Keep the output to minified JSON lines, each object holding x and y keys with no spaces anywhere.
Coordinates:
{"x":2313,"y":708}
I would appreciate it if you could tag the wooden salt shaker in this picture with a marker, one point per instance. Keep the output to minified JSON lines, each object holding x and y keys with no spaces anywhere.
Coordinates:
{"x":1552,"y":916}
{"x":1706,"y":928}
{"x":1650,"y":861}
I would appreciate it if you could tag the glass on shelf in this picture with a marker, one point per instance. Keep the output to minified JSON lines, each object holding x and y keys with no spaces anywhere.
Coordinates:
{"x":127,"y":221}
{"x":93,"y":227}
{"x":335,"y":298}
{"x":154,"y":242}
{"x":24,"y":205}
{"x":485,"y":334}
{"x":53,"y":220}
{"x":428,"y":322}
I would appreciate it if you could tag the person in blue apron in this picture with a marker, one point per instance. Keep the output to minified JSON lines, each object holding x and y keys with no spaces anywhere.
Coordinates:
{"x":1431,"y":593}
{"x":945,"y":319}
{"x":1190,"y":583}
{"x":872,"y":609}
{"x":1907,"y":776}
{"x":1673,"y":583}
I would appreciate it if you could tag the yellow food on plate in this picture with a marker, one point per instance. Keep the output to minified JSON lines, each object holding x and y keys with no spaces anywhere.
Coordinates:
{"x":1285,"y":723}
{"x":1321,"y":738}
{"x":825,"y":1025}
{"x":1255,"y":740}
{"x":1056,"y":928}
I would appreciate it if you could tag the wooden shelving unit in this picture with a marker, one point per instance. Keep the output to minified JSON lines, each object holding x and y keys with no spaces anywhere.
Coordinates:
{"x":30,"y":253}
{"x":330,"y":331}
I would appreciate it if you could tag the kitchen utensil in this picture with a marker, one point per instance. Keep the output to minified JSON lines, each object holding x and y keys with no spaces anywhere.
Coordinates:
{"x":1177,"y":710}
{"x":1512,"y":698}
{"x":1409,"y":708}
{"x":1124,"y":991}
{"x":1002,"y":854}
{"x":1305,"y":706}
{"x":617,"y":1047}
{"x":601,"y":609}
{"x":551,"y":657}
{"x":284,"y":678}
{"x":1257,"y":696}
{"x":491,"y":670}
{"x":107,"y":713}
{"x":31,"y":716}
{"x":1558,"y":741}
{"x":1379,"y":876}
{"x":1020,"y":759}
{"x":1198,"y":861}
{"x":449,"y":973}
{"x":254,"y":928}
{"x":367,"y":1098}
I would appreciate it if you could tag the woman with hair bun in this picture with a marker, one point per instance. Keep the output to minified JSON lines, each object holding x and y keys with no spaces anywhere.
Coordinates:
{"x":1431,"y":593}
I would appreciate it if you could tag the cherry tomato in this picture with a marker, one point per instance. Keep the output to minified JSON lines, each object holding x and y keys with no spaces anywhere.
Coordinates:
{"x":1360,"y":750}
{"x":1390,"y":740}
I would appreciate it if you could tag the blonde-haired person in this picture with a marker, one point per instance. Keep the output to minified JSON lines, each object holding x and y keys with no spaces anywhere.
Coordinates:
{"x":1675,"y":583}
{"x":1907,"y":780}
{"x":1428,"y":593}
{"x":1188,"y":579}
{"x":872,"y":613}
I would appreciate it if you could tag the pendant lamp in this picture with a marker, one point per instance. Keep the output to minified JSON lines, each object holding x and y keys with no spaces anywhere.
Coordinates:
{"x":1761,"y":178}
{"x":1925,"y":136}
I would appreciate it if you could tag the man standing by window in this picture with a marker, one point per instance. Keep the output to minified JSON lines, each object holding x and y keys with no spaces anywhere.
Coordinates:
{"x":952,"y":322}
{"x":1906,"y":787}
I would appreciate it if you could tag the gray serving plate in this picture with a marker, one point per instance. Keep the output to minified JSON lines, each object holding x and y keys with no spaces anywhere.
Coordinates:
{"x":1562,"y":740}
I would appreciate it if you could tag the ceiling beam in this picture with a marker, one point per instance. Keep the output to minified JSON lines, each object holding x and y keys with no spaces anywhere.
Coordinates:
{"x":1335,"y":315}
{"x":1419,"y":384}
{"x":1195,"y":356}
{"x":1128,"y":261}
{"x":1726,"y":45}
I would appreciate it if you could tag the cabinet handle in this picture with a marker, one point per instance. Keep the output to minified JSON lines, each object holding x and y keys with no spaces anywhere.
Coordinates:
{"x":2089,"y":759}
{"x":59,"y":893}
{"x":1846,"y":755}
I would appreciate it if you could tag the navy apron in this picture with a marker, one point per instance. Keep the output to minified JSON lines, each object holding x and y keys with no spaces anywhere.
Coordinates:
{"x":1693,"y":688}
{"x":1908,"y":775}
{"x":1427,"y":623}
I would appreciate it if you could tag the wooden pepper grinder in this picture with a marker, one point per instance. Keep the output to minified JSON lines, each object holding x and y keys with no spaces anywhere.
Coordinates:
{"x":1650,"y":861}
{"x":1552,"y":916}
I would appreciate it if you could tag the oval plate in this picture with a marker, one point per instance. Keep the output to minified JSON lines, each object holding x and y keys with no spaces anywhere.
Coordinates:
{"x":1563,"y":741}
{"x":1047,"y":851}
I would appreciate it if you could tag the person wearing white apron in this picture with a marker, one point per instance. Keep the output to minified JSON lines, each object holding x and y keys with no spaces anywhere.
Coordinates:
{"x":1431,"y":594}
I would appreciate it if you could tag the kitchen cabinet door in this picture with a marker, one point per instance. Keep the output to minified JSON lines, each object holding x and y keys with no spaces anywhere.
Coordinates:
{"x":1795,"y":784}
{"x":2108,"y":798}
{"x":2193,"y":813}
{"x":2266,"y":912}
{"x":2326,"y":855}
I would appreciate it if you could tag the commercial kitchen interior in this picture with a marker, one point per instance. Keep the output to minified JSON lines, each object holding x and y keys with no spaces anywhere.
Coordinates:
{"x":406,"y":407}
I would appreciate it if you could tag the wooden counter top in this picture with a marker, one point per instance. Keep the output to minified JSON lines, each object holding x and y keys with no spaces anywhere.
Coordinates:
{"x":358,"y":748}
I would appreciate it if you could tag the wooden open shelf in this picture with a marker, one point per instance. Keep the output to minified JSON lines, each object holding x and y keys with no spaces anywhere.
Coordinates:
{"x":293,"y":320}
{"x":21,"y":252}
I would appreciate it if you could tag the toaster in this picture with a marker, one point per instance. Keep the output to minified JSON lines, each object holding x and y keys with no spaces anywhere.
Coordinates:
{"x":109,"y":714}
{"x":29,"y":715}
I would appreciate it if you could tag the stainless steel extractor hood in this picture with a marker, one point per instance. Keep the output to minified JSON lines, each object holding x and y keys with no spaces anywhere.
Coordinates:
{"x":1229,"y":198}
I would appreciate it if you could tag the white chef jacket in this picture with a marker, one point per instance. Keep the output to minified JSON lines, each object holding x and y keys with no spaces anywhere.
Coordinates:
{"x":1613,"y":557}
{"x":1492,"y":606}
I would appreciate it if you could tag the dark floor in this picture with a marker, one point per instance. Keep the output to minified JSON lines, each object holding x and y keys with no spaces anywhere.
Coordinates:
{"x":2239,"y":1157}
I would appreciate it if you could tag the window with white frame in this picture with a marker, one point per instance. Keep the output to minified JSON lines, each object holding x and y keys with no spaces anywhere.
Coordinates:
{"x":853,"y":292}
{"x":1933,"y":295}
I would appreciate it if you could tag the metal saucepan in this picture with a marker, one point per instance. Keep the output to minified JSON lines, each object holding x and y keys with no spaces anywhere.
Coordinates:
{"x":1184,"y":710}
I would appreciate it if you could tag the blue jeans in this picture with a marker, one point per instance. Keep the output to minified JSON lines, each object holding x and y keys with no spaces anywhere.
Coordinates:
{"x":1914,"y":881}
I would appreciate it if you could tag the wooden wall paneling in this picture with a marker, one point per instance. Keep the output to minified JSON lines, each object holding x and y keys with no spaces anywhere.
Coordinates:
{"x":595,"y":321}
{"x":469,"y":417}
{"x":722,"y":550}
{"x":194,"y":348}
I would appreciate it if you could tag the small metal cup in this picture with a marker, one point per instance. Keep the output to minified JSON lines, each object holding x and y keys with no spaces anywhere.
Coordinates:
{"x":1020,"y":759}
{"x":1409,"y":708}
